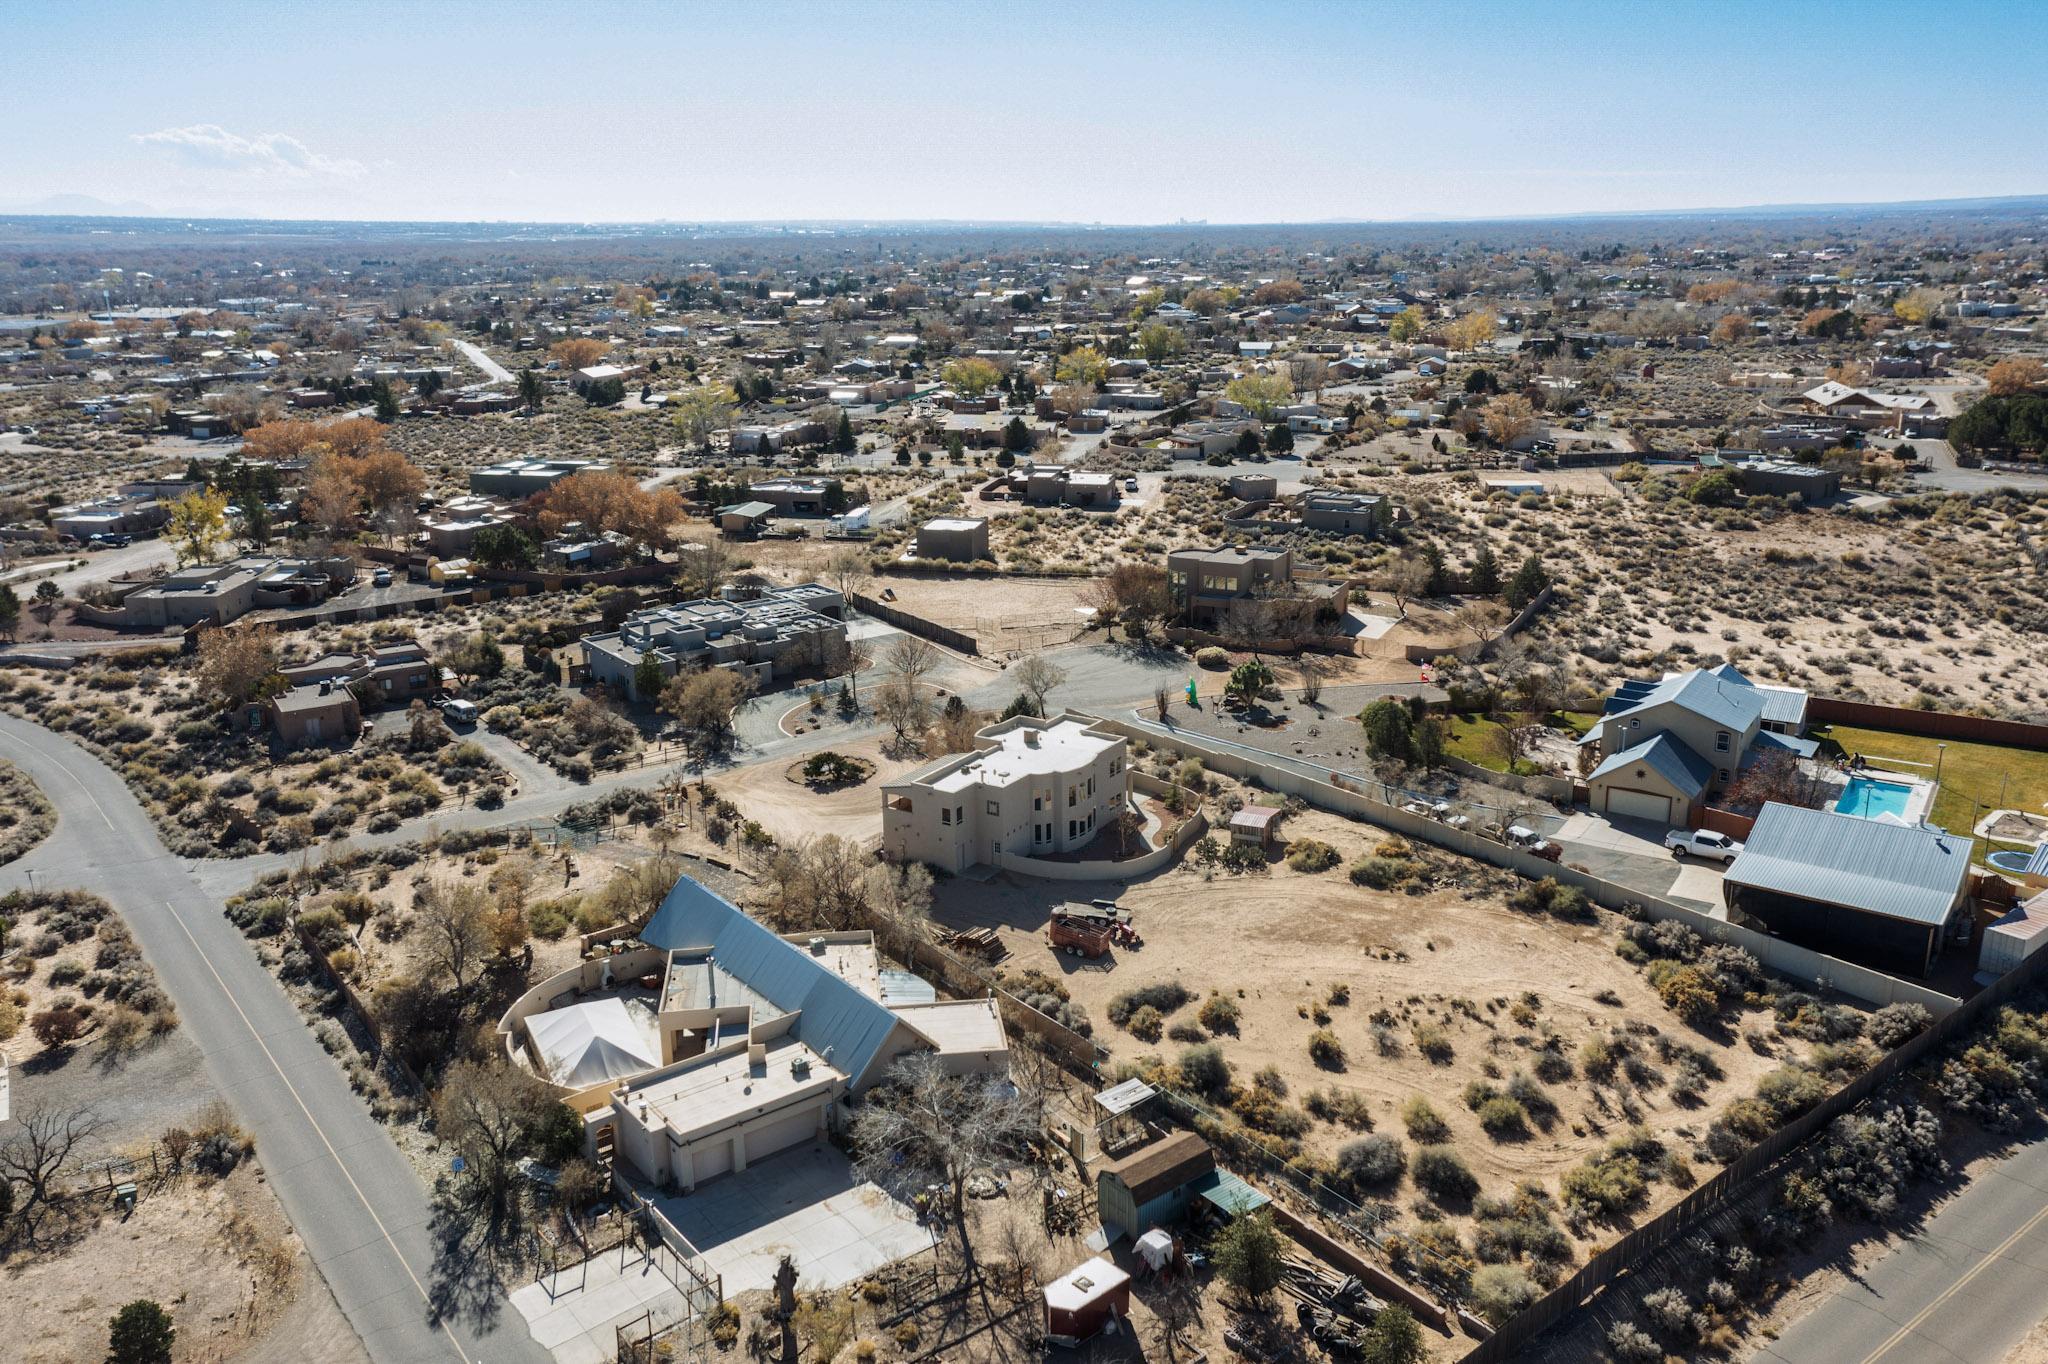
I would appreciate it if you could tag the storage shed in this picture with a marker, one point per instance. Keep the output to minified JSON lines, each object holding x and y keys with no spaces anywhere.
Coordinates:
{"x":1082,"y":1302}
{"x":1153,"y":1185}
{"x":2014,"y":937}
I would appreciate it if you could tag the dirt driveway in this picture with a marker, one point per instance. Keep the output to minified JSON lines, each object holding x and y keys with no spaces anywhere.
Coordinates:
{"x":792,"y":811}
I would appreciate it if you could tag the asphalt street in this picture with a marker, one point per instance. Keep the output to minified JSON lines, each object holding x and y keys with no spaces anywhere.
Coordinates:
{"x":1964,"y":1288}
{"x":358,"y":1204}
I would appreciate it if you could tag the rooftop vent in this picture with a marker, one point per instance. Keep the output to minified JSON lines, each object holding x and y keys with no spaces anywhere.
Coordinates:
{"x":818,"y":946}
{"x":1031,"y":738}
{"x":800,"y":1068}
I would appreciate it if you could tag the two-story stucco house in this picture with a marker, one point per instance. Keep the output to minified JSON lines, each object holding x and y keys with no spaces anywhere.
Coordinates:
{"x":1030,"y":788}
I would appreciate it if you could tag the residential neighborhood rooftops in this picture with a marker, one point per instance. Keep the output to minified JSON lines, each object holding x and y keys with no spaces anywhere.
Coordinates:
{"x":1901,"y":871}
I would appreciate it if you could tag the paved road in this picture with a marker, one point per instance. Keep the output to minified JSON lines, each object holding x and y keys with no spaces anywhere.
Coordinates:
{"x":101,"y":565}
{"x":1964,"y":1289}
{"x":1944,"y":473}
{"x":479,"y":357}
{"x":355,"y":1200}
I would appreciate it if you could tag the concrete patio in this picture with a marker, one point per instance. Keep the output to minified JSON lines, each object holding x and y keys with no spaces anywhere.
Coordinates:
{"x":805,"y":1201}
{"x":573,"y":1314}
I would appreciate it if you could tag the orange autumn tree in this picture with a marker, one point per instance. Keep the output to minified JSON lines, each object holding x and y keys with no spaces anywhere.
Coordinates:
{"x":578,"y":352}
{"x":606,"y":503}
{"x":351,"y":469}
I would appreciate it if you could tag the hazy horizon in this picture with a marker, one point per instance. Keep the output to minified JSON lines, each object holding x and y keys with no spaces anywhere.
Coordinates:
{"x":1231,"y":114}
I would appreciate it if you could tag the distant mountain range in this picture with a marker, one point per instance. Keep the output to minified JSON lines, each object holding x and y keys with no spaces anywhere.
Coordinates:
{"x":84,"y":208}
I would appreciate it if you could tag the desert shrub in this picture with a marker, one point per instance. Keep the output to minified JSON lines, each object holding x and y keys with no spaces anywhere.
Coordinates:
{"x":1146,"y":1024}
{"x":1219,"y":1013}
{"x":1547,"y":896}
{"x":1203,"y":1069}
{"x":1344,"y":1106}
{"x":1631,"y":1344}
{"x":1442,"y":1173}
{"x":1372,"y":1161}
{"x":1605,"y":1184}
{"x":1325,"y":1049}
{"x":1667,"y":938}
{"x":1599,"y":1057}
{"x":1500,"y":1291}
{"x":1533,"y":1098}
{"x":1687,"y":992}
{"x":1424,"y":1123}
{"x":1869,"y":1160}
{"x":1212,"y":658}
{"x":1896,"y":1024}
{"x":1789,"y":1091}
{"x":1503,"y":1119}
{"x":1312,"y":855}
{"x":1162,"y":999}
{"x":1433,"y":1040}
{"x":1380,"y":873}
{"x":1669,"y":1311}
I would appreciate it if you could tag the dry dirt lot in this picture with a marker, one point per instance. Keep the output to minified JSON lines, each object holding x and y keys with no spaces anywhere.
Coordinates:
{"x":1494,"y":979}
{"x":219,"y":1255}
{"x":1002,"y":613}
{"x":792,"y":811}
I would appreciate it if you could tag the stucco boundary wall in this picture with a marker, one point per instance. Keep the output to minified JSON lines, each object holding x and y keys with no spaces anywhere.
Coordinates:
{"x":1556,"y":790}
{"x":912,"y":624}
{"x":1786,"y":959}
{"x":1424,"y":653}
{"x":1185,"y":833}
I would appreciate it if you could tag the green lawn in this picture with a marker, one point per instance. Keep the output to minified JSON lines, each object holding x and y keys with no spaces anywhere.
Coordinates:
{"x":1975,"y":778}
{"x":1468,"y":736}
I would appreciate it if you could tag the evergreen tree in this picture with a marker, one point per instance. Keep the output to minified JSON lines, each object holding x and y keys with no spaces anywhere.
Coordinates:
{"x":140,"y":1333}
{"x":1485,"y":579}
{"x":842,"y":441}
{"x":1528,"y":583}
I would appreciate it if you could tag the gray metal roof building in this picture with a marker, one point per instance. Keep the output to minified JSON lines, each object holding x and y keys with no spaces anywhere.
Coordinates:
{"x":1867,"y":890}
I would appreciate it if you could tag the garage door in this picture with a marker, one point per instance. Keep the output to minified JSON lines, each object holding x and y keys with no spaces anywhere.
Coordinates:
{"x":1639,"y":805}
{"x":712,"y":1158}
{"x":780,"y":1135}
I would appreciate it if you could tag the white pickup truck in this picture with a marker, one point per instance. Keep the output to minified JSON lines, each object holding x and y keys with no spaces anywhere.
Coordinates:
{"x":1702,"y":843}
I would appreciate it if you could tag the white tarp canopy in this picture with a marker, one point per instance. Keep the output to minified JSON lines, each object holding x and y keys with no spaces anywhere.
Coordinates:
{"x":588,"y":1044}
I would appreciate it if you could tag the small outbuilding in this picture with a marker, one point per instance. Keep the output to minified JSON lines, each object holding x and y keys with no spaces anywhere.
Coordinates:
{"x":1255,"y":824}
{"x":1153,"y":1185}
{"x":744,"y":519}
{"x":1082,"y":1303}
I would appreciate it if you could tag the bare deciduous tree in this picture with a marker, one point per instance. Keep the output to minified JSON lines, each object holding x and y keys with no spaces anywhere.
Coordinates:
{"x":903,"y":708}
{"x":925,"y":1127}
{"x":455,"y":929}
{"x":45,"y":1141}
{"x":1037,"y":677}
{"x":911,"y":658}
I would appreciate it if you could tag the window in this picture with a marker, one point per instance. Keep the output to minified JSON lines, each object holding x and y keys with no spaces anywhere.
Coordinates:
{"x":1724,"y":776}
{"x":994,"y":809}
{"x":1116,"y":765}
{"x":1721,"y":741}
{"x":1072,"y":828}
{"x":1037,"y":803}
{"x":960,"y":814}
{"x":945,"y":815}
{"x":1091,"y":786}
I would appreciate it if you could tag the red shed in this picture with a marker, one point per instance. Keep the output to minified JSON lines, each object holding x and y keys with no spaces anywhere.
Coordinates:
{"x":1081,"y":1302}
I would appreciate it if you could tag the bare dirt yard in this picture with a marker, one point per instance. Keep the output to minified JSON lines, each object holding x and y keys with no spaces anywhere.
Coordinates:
{"x":217,"y":1254}
{"x":1405,"y":998}
{"x":792,"y":811}
{"x":1002,"y":613}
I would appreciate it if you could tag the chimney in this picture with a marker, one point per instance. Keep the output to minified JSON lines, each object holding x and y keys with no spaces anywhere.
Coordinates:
{"x":1030,"y":738}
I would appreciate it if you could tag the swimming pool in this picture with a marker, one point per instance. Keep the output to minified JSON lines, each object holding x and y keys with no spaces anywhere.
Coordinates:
{"x":1867,"y":798}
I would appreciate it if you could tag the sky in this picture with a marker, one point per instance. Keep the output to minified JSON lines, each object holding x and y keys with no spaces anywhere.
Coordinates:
{"x":1123,"y":112}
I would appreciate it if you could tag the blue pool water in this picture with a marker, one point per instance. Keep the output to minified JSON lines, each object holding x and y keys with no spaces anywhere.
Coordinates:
{"x":1867,"y":798}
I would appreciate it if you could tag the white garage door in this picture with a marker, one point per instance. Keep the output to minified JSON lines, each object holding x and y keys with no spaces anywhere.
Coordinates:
{"x":781,"y":1134}
{"x":712,"y":1158}
{"x":1638,"y":805}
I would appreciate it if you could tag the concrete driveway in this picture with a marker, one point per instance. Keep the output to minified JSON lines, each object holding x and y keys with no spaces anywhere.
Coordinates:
{"x":806,"y":1202}
{"x":1631,"y":852}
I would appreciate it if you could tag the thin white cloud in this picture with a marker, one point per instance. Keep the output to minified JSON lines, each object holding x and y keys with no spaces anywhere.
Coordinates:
{"x":214,"y":147}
